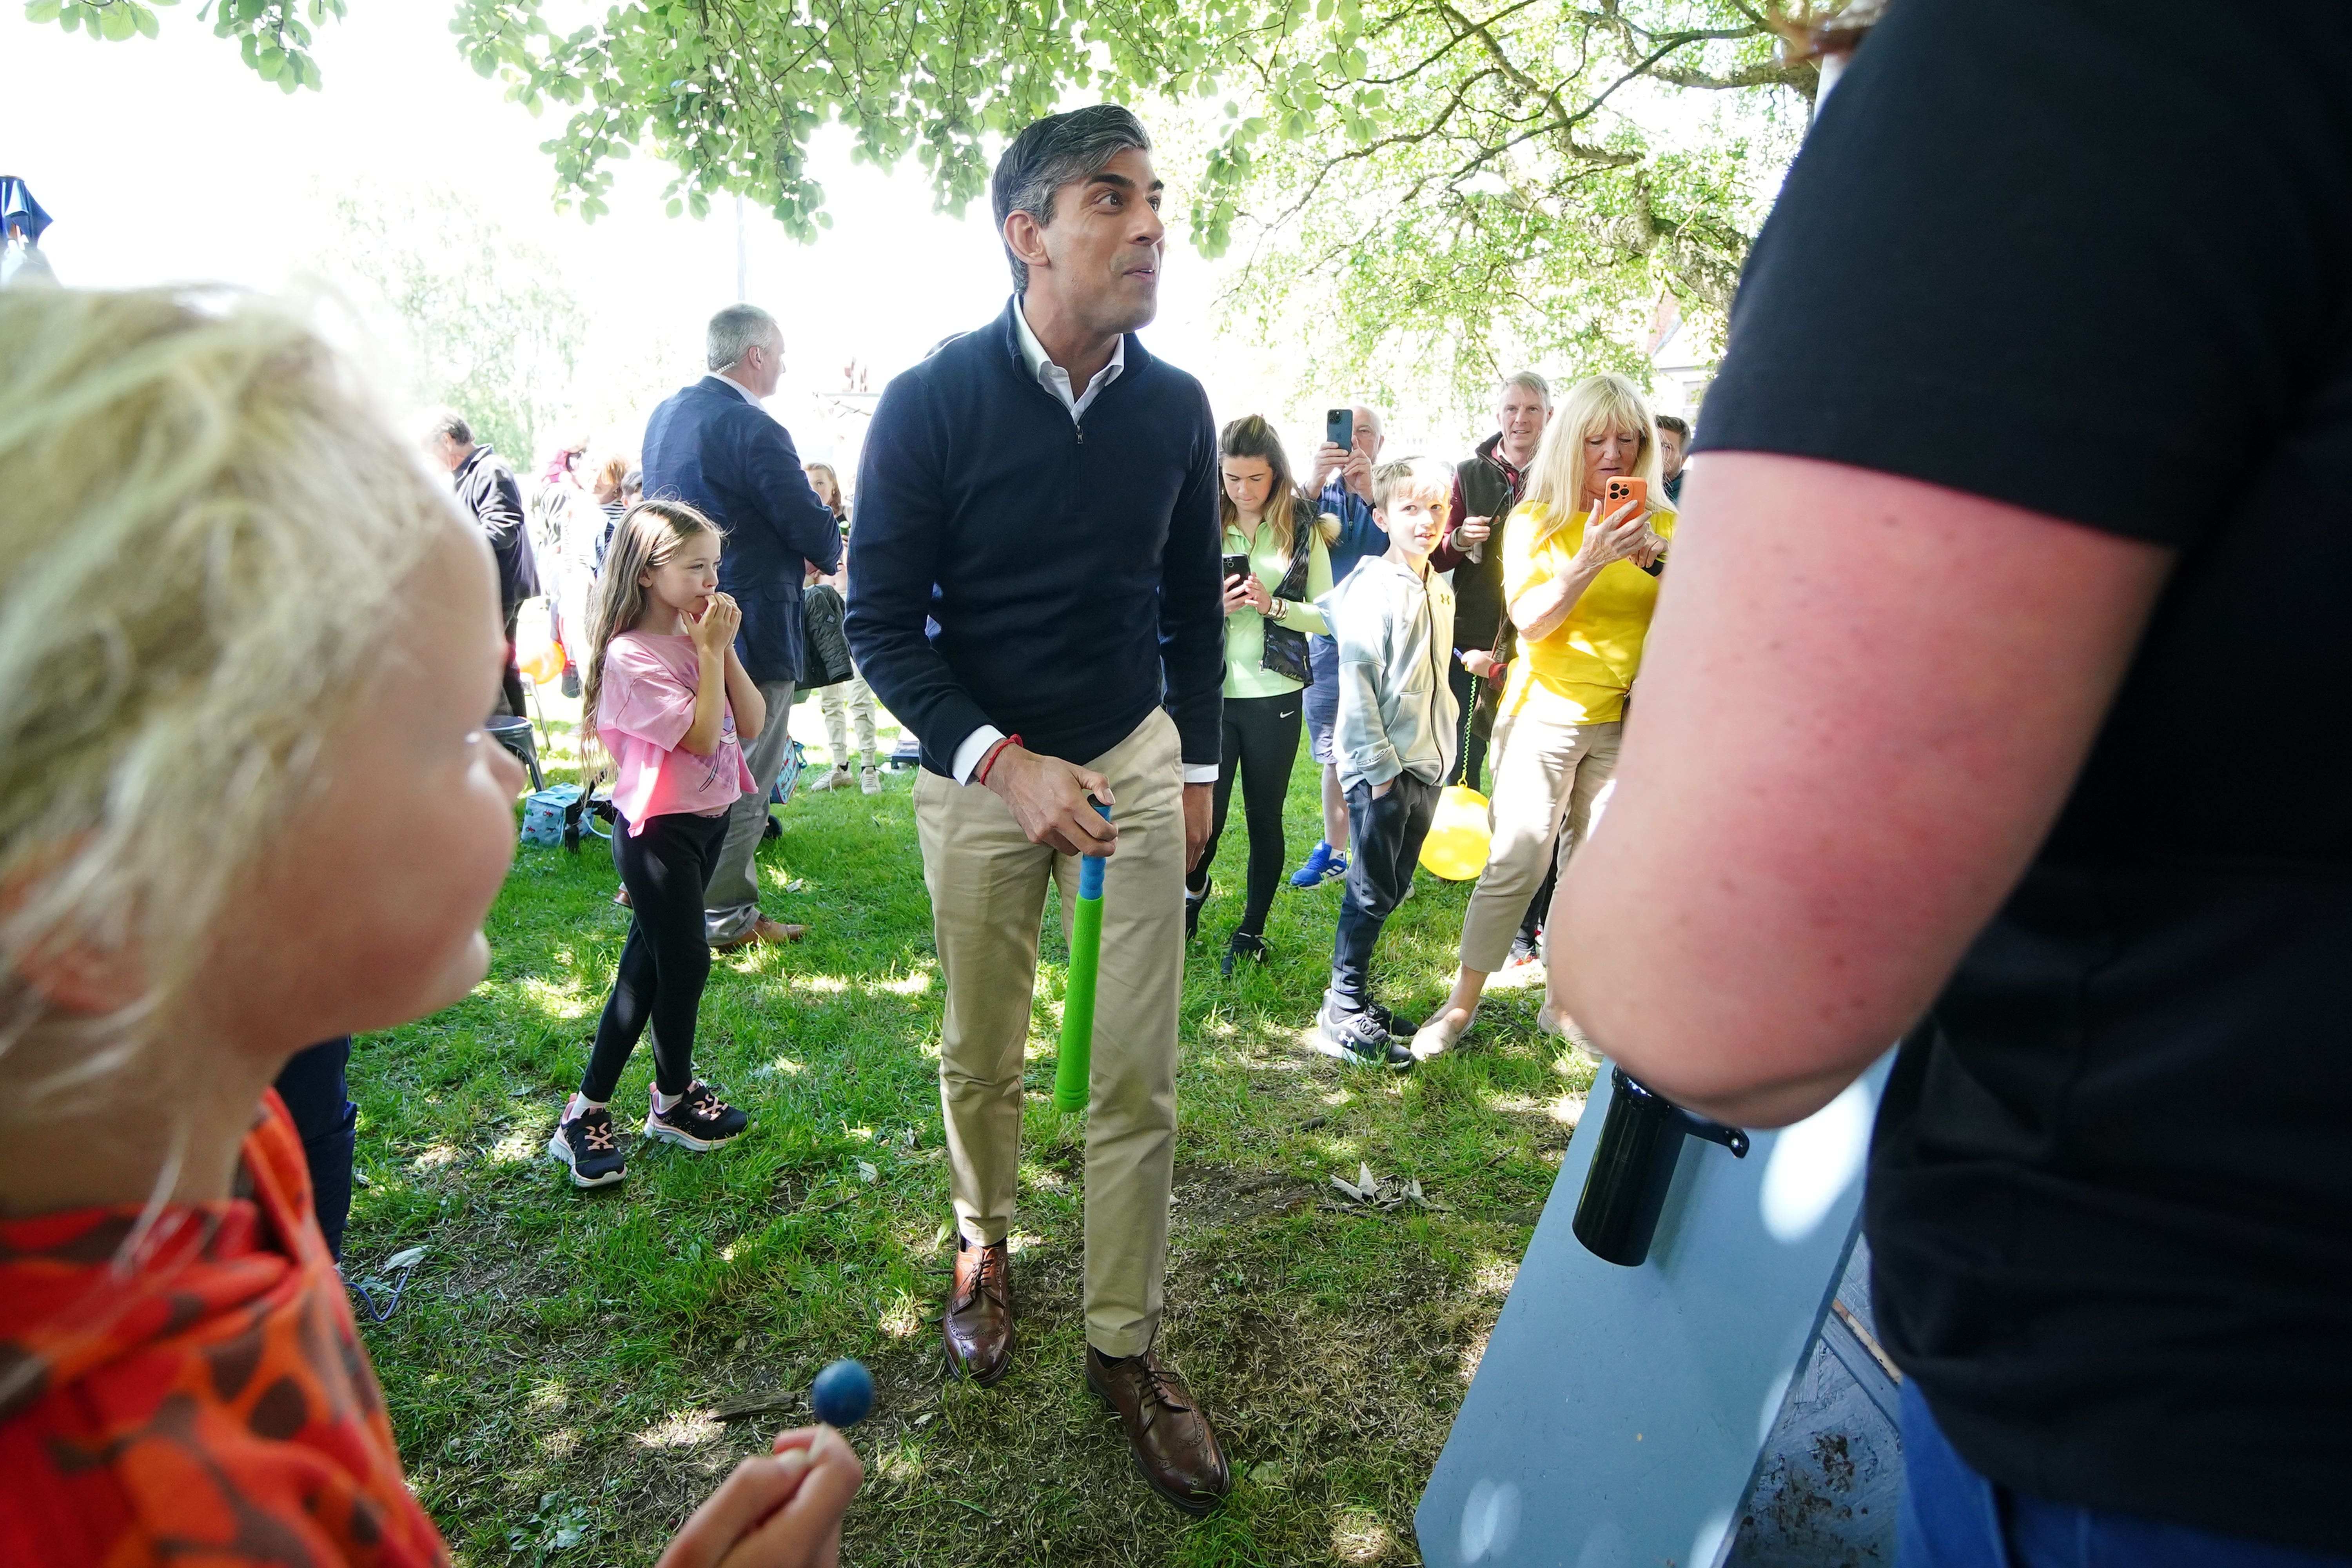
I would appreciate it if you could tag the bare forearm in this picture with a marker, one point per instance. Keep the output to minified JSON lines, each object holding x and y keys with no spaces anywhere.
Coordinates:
{"x":709,"y":705}
{"x":1837,"y":775}
{"x":1539,"y":612}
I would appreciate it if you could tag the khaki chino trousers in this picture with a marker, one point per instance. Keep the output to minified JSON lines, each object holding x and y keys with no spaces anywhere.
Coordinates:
{"x":988,"y":887}
{"x":1551,"y":785}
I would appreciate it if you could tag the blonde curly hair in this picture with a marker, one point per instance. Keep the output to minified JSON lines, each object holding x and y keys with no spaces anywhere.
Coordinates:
{"x":206,"y":530}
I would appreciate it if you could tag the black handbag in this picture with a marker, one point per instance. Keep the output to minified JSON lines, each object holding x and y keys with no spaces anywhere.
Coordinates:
{"x":1285,"y":648}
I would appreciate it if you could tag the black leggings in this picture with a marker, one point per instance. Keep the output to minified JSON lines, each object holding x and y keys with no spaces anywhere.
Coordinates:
{"x":666,"y":963}
{"x":1261,"y":742}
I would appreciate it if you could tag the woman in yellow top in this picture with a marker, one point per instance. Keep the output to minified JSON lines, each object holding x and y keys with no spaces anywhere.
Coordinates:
{"x":1269,"y":611}
{"x":1580,"y":589}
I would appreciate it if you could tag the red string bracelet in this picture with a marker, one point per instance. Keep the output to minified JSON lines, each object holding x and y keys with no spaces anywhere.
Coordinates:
{"x":979,"y":773}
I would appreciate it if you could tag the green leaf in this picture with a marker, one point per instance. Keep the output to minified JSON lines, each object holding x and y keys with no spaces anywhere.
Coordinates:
{"x":117,"y":23}
{"x":145,"y":20}
{"x":42,"y":12}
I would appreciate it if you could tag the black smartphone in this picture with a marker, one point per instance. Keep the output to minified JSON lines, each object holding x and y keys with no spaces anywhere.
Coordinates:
{"x":1339,"y":427}
{"x":1236,"y":566}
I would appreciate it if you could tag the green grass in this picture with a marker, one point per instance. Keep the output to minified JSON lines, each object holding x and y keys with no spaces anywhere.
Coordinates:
{"x":551,"y":1370}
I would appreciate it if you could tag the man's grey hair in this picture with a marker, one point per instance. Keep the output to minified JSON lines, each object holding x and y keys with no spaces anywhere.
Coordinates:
{"x":1676,"y":423}
{"x":444,"y":424}
{"x":1529,"y":381}
{"x":1051,"y":153}
{"x":736,"y":332}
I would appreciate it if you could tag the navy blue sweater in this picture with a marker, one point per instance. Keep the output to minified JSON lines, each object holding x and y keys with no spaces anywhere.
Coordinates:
{"x":1009,"y":566}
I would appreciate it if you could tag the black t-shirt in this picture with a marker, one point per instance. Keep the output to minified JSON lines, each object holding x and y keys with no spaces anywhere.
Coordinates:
{"x":2093,"y":258}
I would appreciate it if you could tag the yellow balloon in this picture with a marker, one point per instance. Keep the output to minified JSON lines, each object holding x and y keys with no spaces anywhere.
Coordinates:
{"x":544,"y":663}
{"x":1455,"y":849}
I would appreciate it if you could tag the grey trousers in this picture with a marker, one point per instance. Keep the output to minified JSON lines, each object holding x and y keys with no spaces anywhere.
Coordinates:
{"x":731,"y":903}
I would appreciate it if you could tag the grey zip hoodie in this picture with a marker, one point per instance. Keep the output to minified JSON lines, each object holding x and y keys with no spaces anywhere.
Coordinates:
{"x":1397,"y":714}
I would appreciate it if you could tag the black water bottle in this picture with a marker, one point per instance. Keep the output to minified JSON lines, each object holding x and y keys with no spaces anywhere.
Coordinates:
{"x":1625,"y":1188}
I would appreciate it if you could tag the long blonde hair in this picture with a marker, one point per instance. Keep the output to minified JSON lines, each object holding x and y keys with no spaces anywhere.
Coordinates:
{"x":1594,"y":407}
{"x":208,"y":532}
{"x":644,"y":540}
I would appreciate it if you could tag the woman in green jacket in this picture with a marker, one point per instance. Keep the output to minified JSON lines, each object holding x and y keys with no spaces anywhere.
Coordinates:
{"x":1269,"y":611}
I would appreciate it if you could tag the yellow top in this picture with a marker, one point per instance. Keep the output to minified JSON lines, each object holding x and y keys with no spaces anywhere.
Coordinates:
{"x":1582,"y":673}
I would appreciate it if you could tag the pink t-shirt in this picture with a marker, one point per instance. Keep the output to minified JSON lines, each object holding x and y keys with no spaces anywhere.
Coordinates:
{"x":644,"y":711}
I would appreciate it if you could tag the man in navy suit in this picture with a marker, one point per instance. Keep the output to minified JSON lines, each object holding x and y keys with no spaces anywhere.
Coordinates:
{"x":714,"y":447}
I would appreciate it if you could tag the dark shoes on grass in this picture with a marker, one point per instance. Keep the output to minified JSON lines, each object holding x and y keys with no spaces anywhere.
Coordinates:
{"x":1175,"y":1450}
{"x":978,"y":1327}
{"x":699,"y":1119}
{"x":591,"y":1145}
{"x":1242,"y":945}
{"x":1361,"y":1036}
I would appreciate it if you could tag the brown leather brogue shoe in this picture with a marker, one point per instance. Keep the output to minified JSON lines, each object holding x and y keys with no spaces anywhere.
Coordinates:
{"x":977,"y":1326}
{"x":1175,"y":1451}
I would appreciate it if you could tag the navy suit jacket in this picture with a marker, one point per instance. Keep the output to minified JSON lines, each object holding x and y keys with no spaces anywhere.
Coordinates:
{"x":713,"y":449}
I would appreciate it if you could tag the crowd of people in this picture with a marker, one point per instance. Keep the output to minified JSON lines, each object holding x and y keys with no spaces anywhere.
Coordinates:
{"x":1907,"y":764}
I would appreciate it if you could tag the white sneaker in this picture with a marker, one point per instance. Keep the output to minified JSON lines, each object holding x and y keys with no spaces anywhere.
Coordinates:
{"x":869,"y":781}
{"x":837,"y":779}
{"x":1438,"y":1036}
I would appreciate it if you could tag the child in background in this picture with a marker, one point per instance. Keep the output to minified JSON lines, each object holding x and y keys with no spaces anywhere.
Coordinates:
{"x":245,"y":803}
{"x":664,"y":685}
{"x":1393,"y":742}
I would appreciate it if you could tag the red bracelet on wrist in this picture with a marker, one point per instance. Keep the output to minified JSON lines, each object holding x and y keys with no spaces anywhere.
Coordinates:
{"x":979,"y":773}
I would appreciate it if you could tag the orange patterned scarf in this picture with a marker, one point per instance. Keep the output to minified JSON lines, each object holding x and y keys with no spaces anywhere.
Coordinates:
{"x":201,"y":1398}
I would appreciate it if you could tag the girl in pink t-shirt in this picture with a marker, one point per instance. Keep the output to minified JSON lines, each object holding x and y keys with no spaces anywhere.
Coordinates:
{"x":666,"y":692}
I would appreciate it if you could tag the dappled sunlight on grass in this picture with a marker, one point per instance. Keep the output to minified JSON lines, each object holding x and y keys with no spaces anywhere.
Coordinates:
{"x":904,"y":1320}
{"x":1359,"y":1535}
{"x":521,"y":1144}
{"x":683,"y":1429}
{"x":825,"y":984}
{"x":915,"y":985}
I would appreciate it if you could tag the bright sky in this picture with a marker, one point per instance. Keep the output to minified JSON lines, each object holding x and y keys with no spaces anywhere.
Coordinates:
{"x":167,"y":160}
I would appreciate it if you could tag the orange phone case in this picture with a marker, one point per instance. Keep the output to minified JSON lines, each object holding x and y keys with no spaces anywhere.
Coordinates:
{"x":1618,"y":491}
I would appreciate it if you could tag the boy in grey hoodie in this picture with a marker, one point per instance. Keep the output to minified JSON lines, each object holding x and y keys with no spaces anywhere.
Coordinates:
{"x":1393,"y":741}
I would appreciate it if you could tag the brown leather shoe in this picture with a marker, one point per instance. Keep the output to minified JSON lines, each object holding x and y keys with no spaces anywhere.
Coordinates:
{"x":977,"y":1326}
{"x":1175,"y":1451}
{"x":774,"y":933}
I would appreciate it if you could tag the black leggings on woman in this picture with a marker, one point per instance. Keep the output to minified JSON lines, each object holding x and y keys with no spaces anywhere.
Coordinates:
{"x":1261,"y":742}
{"x":666,"y":960}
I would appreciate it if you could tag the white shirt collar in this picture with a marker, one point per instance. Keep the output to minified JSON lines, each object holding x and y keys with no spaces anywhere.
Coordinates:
{"x":1053,"y":377}
{"x":735,"y":386}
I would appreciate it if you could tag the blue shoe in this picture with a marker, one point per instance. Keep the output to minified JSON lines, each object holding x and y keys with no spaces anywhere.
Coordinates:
{"x":1317,"y":866}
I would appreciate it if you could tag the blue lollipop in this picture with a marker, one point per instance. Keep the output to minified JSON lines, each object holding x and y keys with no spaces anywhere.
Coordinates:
{"x":843,"y":1394}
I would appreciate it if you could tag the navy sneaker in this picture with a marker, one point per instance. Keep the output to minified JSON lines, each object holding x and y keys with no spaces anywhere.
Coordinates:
{"x":591,"y":1145}
{"x":699,"y":1119}
{"x":1359,"y":1037}
{"x":1397,"y":1027}
{"x":1321,"y":865}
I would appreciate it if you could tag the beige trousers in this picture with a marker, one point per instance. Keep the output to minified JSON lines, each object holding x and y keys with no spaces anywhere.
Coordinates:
{"x":988,"y":892}
{"x":1551,"y":784}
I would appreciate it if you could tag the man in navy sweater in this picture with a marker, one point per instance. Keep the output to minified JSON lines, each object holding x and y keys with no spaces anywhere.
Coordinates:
{"x":714,"y":447}
{"x":1035,"y":590}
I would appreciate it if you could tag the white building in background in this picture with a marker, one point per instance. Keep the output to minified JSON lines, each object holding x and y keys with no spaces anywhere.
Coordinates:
{"x":1683,"y":357}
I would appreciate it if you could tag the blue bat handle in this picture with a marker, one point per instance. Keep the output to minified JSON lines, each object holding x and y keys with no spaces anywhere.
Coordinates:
{"x":1090,"y":866}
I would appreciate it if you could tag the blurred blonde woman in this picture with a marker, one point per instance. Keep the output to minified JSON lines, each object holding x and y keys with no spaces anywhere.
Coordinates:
{"x":845,"y":701}
{"x":1580,"y":588}
{"x":246,"y":803}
